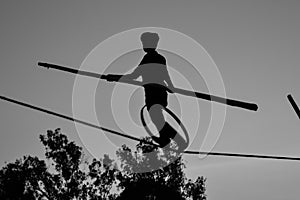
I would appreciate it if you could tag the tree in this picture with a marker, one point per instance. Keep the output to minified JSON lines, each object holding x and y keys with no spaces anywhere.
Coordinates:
{"x":22,"y":179}
{"x":67,"y":180}
{"x":66,"y":175}
{"x":163,"y":176}
{"x":73,"y":178}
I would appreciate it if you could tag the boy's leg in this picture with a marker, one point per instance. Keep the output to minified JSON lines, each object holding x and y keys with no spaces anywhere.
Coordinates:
{"x":171,"y":133}
{"x":157,"y":117}
{"x":166,"y":131}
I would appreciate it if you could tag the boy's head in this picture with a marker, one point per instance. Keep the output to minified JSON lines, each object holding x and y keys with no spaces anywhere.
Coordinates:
{"x":149,"y":41}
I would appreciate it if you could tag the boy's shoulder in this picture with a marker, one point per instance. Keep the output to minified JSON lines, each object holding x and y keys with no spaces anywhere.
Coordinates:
{"x":154,"y":58}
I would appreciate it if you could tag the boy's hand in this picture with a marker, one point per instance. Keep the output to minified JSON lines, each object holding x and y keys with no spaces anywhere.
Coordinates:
{"x":113,"y":77}
{"x":171,"y":89}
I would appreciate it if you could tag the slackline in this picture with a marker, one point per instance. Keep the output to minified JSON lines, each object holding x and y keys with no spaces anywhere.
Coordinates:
{"x":138,"y":139}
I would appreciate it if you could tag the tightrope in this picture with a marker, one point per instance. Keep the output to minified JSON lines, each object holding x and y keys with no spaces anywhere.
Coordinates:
{"x":138,"y":139}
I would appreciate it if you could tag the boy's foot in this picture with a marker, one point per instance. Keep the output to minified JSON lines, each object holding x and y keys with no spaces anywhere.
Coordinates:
{"x":161,"y":141}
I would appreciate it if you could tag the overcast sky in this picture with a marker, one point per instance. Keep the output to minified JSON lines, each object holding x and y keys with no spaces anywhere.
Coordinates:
{"x":255,"y":45}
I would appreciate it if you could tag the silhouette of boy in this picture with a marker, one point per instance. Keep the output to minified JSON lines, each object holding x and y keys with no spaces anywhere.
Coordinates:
{"x":157,"y":84}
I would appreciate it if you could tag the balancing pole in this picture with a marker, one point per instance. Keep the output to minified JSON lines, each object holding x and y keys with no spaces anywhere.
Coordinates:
{"x":294,"y":105}
{"x":117,"y":78}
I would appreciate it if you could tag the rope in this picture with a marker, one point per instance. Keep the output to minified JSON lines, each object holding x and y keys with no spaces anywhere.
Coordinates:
{"x":69,"y":118}
{"x":138,"y":139}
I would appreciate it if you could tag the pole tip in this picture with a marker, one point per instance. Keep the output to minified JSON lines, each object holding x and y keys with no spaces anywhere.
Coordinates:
{"x":255,"y":107}
{"x":42,"y":64}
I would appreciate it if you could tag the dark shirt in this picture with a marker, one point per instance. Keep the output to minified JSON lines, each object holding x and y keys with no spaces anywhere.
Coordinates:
{"x":153,"y":70}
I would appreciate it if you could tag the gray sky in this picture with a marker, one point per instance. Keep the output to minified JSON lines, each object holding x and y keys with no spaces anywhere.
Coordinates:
{"x":255,"y":44}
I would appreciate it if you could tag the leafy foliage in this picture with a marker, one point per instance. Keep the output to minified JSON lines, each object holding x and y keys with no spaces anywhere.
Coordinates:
{"x":68,"y":176}
{"x":21,"y":179}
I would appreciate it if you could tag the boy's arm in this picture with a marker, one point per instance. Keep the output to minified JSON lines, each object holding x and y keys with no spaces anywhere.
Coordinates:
{"x":168,"y":80}
{"x":116,"y":77}
{"x":133,"y":75}
{"x":136,"y":72}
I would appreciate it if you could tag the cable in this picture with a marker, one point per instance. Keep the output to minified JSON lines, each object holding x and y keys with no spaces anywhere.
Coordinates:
{"x":68,"y":118}
{"x":243,"y":155}
{"x":138,"y":139}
